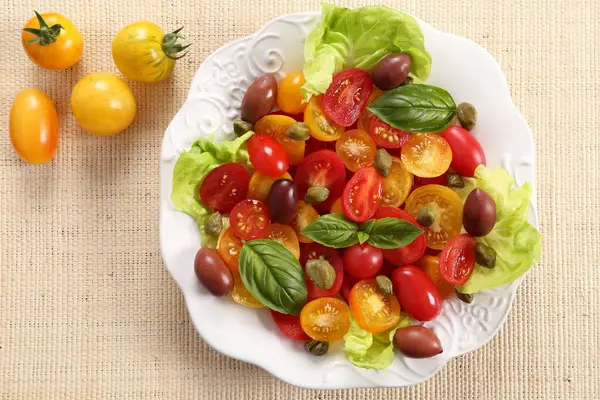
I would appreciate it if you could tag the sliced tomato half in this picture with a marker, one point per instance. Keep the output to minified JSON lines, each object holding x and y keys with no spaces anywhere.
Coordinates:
{"x":457,"y":260}
{"x":347,"y":96}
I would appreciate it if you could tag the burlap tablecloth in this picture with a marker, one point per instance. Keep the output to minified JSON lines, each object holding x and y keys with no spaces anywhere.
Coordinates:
{"x":87,"y":310}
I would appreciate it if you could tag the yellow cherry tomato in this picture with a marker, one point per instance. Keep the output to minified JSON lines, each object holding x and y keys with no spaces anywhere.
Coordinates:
{"x":103,"y":104}
{"x":285,"y":235}
{"x":33,"y":126}
{"x":143,"y":53}
{"x":356,"y":149}
{"x":326,"y":319}
{"x":289,"y":97}
{"x":397,"y":185}
{"x":321,"y":127}
{"x":51,"y":41}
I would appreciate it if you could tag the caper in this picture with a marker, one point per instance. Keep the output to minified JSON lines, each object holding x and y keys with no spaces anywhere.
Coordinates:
{"x":383,"y":162}
{"x":214,"y":224}
{"x":385,"y":285}
{"x":455,"y":180}
{"x":407,"y":81}
{"x":316,"y":347}
{"x":464,"y":297}
{"x":321,"y":273}
{"x":467,"y":115}
{"x":316,"y":194}
{"x":426,"y":217}
{"x":485,"y":255}
{"x":241,"y":127}
{"x":298,"y":131}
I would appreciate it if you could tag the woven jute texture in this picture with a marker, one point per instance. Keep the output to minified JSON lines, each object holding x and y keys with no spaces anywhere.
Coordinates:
{"x":87,"y":310}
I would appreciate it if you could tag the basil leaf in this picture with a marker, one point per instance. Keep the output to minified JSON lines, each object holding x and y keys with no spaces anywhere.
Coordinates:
{"x":273,"y":275}
{"x":415,"y":108}
{"x":362,"y":237}
{"x":390,"y":233}
{"x":333,"y":230}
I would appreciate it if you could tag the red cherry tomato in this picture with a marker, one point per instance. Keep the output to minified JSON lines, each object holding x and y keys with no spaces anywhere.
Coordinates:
{"x":387,"y":136}
{"x":362,"y":261}
{"x":347,"y":286}
{"x":312,"y":251}
{"x":267,"y":155}
{"x":249,"y":219}
{"x":411,"y":252}
{"x":289,"y":325}
{"x":224,"y":187}
{"x":416,"y":293}
{"x":467,"y":153}
{"x":438,"y":180}
{"x":321,"y":168}
{"x":347,"y":96}
{"x":362,"y":194}
{"x":457,"y":260}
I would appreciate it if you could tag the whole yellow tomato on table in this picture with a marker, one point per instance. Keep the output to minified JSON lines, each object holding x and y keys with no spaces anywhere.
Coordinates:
{"x":52,"y":41}
{"x":143,"y":53}
{"x":103,"y":104}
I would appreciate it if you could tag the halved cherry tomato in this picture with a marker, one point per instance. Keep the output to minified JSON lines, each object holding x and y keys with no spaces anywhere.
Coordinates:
{"x":416,"y":293}
{"x":229,"y":248}
{"x":356,"y":149}
{"x":362,"y":194}
{"x":275,"y":127}
{"x":373,"y":311}
{"x":431,"y":266}
{"x":438,"y":180}
{"x":289,"y":97}
{"x":426,"y":155}
{"x":457,"y":260}
{"x":362,"y":261}
{"x":267,"y":155}
{"x":285,"y":235}
{"x":364,"y":120}
{"x":314,"y":251}
{"x":289,"y":325}
{"x":260,"y":184}
{"x":411,"y":252}
{"x":249,"y":219}
{"x":224,"y":187}
{"x":467,"y":153}
{"x":320,"y":125}
{"x":336,"y":207}
{"x":326,"y":319}
{"x":397,"y":185}
{"x":322,"y":168}
{"x":387,"y":136}
{"x":347,"y":285}
{"x":306,"y":216}
{"x":347,"y":96}
{"x":241,"y":295}
{"x":446,"y":207}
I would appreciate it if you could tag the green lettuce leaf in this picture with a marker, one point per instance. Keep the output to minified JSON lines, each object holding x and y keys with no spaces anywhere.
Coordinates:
{"x":191,"y":168}
{"x":371,"y":350}
{"x":360,"y":38}
{"x":517,"y":243}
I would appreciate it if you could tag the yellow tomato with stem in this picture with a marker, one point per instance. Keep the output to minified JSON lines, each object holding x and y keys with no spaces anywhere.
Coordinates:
{"x":51,"y":41}
{"x":144,"y":53}
{"x":103,"y":104}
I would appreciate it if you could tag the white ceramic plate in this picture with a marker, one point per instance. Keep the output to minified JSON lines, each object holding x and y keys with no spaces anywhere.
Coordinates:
{"x":462,"y":67}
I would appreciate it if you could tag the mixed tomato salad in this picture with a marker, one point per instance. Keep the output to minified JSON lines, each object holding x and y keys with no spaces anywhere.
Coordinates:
{"x":356,"y":198}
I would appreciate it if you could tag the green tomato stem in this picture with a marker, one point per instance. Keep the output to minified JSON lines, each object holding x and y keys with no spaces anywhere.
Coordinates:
{"x":171,"y":47}
{"x":46,"y":34}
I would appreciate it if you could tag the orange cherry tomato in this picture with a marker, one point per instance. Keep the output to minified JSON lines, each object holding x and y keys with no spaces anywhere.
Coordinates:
{"x":321,"y":126}
{"x":397,"y":185}
{"x":275,"y":126}
{"x":364,"y":120}
{"x":289,"y":97}
{"x":336,"y":207}
{"x":431,"y":266}
{"x":241,"y":295}
{"x":33,"y":126}
{"x":285,"y":235}
{"x":447,"y":209}
{"x":426,"y":155}
{"x":373,"y":311}
{"x":326,"y":319}
{"x":260,"y":185}
{"x":356,"y":149}
{"x":306,"y":215}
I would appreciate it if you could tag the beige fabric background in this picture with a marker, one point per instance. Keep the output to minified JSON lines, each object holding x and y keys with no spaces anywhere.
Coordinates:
{"x":87,"y":310}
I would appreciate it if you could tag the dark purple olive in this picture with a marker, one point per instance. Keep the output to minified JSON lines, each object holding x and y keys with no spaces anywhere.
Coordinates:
{"x":417,"y":342}
{"x":212,"y":272}
{"x":283,"y":201}
{"x":260,"y":98}
{"x":391,"y":71}
{"x":479,"y":213}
